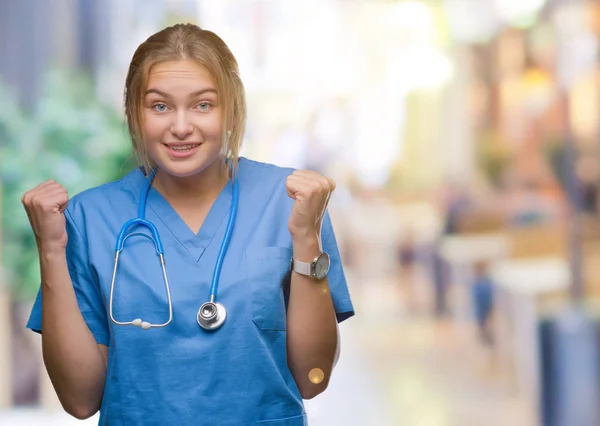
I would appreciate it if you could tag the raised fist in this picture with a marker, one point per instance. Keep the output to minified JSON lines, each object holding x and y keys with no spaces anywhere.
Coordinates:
{"x":45,"y":205}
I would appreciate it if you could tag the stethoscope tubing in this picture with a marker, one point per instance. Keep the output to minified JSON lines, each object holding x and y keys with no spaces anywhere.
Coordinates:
{"x":140,"y":220}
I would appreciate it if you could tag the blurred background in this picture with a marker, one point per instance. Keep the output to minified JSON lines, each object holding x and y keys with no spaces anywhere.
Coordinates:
{"x":464,"y":138}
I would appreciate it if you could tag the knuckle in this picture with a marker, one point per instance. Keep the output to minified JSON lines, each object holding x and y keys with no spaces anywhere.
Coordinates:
{"x":36,"y":201}
{"x":40,"y":203}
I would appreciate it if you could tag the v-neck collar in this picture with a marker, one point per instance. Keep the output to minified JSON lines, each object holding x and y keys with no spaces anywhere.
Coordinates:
{"x":195,"y":244}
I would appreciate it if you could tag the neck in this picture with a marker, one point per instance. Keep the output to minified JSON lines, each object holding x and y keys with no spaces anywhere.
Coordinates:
{"x":200,"y":187}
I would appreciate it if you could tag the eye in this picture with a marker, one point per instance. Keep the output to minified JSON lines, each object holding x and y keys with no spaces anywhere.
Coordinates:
{"x":204,"y":106}
{"x":160,"y":107}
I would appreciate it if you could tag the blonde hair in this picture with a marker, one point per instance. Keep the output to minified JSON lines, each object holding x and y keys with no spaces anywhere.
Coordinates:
{"x":187,"y":42}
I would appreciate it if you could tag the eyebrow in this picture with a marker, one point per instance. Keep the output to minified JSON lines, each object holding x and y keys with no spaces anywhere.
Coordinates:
{"x":192,"y":95}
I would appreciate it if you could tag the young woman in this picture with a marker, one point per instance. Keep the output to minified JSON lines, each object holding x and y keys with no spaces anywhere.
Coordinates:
{"x":202,"y":288}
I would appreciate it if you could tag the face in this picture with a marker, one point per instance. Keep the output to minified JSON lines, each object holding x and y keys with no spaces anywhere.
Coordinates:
{"x":182,"y":118}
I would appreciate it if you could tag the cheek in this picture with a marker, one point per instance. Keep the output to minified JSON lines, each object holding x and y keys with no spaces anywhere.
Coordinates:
{"x":212,"y":127}
{"x":153,"y":127}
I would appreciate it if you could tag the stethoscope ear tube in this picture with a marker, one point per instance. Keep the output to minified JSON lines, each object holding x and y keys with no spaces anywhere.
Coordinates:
{"x":139,"y":222}
{"x":138,"y":322}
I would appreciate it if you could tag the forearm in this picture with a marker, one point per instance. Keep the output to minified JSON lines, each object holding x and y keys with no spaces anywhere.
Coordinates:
{"x":72,"y":357}
{"x":312,"y":338}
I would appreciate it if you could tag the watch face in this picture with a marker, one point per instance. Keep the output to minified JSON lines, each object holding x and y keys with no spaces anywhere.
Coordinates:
{"x":322,"y":266}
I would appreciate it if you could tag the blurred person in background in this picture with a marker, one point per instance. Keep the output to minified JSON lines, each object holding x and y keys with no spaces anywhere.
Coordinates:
{"x":407,"y":262}
{"x":482,"y":293}
{"x":114,"y":337}
{"x":588,"y":173}
{"x":455,"y":203}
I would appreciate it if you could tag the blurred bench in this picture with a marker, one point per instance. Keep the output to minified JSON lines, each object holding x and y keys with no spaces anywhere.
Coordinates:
{"x":534,"y":276}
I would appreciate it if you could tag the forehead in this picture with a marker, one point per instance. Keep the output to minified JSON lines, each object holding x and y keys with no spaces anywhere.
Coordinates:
{"x":179,"y":76}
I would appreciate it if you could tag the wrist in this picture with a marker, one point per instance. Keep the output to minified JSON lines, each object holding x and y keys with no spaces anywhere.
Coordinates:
{"x":52,"y":251}
{"x":306,"y":249}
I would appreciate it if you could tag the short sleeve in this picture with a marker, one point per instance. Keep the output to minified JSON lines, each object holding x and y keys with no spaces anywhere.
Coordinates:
{"x":338,"y":285}
{"x":87,"y":290}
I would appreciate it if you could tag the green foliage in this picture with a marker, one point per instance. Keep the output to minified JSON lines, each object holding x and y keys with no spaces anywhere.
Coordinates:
{"x":70,"y":137}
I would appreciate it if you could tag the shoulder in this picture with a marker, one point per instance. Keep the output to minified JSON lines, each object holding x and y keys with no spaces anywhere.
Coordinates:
{"x":108,"y":196}
{"x":251,"y":169}
{"x":263,"y":177}
{"x":265,"y":184}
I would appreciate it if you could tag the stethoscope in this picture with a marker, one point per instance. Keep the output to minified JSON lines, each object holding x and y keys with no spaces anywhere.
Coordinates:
{"x":211,"y":314}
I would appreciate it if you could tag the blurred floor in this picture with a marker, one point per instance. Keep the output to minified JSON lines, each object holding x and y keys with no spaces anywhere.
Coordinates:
{"x":38,"y":417}
{"x":427,"y":372}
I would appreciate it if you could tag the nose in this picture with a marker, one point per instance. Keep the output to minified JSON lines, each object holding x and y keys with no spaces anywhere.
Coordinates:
{"x":182,"y":127}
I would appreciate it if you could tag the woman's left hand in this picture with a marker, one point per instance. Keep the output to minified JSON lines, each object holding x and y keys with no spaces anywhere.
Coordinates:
{"x":310,"y":192}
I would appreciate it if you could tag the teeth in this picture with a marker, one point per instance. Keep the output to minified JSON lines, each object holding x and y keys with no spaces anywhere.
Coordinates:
{"x":183,"y":147}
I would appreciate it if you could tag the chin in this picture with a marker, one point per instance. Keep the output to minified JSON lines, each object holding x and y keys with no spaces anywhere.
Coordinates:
{"x":185,"y":168}
{"x":182,"y":171}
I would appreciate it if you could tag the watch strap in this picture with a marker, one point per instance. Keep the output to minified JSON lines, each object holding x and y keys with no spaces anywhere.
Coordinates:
{"x":303,"y":268}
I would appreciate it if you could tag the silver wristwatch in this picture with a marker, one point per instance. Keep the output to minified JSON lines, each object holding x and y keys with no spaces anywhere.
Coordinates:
{"x":317,"y":269}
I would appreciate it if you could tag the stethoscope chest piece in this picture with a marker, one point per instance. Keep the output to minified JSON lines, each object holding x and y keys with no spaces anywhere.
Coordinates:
{"x":211,"y":315}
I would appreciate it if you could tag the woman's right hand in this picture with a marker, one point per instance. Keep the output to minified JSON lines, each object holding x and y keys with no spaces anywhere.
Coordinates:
{"x":45,"y":205}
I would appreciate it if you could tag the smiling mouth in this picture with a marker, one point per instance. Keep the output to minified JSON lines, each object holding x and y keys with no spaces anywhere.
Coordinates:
{"x":182,"y":147}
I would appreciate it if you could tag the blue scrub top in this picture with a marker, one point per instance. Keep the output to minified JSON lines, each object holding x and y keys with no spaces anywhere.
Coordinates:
{"x":181,"y":374}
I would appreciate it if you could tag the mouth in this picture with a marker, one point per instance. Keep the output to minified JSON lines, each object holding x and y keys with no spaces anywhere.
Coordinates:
{"x":181,"y":147}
